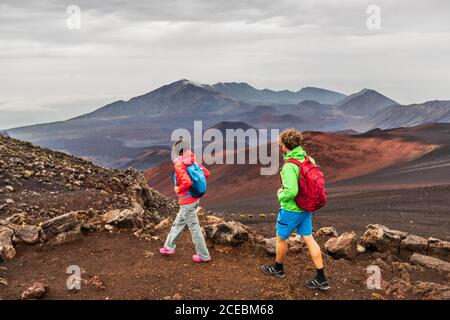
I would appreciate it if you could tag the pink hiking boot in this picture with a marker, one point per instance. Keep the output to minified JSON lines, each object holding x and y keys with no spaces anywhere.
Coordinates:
{"x":197,"y":259}
{"x":166,"y":251}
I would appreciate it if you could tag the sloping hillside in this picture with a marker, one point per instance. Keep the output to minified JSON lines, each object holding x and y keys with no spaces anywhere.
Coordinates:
{"x":60,"y":212}
{"x":340,"y":157}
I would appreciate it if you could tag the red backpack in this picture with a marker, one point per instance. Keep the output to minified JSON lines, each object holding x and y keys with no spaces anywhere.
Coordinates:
{"x":311,"y":185}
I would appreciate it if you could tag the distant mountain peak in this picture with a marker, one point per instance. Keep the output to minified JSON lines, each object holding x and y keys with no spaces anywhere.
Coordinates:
{"x":364,"y":103}
{"x":242,"y":91}
{"x":233,"y":125}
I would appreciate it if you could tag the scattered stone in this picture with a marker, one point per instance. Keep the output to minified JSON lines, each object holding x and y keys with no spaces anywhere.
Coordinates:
{"x":343,"y":246}
{"x":232,"y":233}
{"x":360,"y":249}
{"x":327,"y":232}
{"x":18,"y":218}
{"x":7,"y":251}
{"x":9,"y":189}
{"x":165,"y":223}
{"x":97,"y":283}
{"x":430,"y":263}
{"x":28,"y":173}
{"x":177,"y":296}
{"x":149,"y":254}
{"x":3,"y":282}
{"x":36,"y":291}
{"x":109,"y":227}
{"x":9,"y":201}
{"x":377,"y":296}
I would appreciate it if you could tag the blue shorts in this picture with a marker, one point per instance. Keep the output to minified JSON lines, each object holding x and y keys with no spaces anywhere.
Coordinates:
{"x":289,"y":221}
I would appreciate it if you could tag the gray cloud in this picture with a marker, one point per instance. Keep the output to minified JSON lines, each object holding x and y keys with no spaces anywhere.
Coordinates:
{"x":128,"y":48}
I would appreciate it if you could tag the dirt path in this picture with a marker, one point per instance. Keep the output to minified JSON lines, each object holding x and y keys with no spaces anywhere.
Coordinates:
{"x":132,"y":269}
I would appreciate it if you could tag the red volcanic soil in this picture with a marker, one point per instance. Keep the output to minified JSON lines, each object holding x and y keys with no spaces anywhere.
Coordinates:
{"x":340,"y":157}
{"x":126,"y":267}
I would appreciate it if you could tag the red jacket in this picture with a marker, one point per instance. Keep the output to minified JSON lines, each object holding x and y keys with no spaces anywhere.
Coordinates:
{"x":184,"y":182}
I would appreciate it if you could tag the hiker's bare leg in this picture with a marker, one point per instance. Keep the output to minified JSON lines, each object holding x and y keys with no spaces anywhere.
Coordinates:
{"x":314,"y":251}
{"x":281,"y":250}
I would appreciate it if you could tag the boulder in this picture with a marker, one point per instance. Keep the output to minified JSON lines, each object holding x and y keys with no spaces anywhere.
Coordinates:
{"x":430,"y":263}
{"x":381,"y":238}
{"x":439,"y":249}
{"x":64,"y":223}
{"x":27,"y":234}
{"x":7,"y":251}
{"x":295,"y":244}
{"x":327,"y":232}
{"x":128,"y":218}
{"x":343,"y":246}
{"x":231,"y":233}
{"x":269,"y":246}
{"x":413,"y":244}
{"x":36,"y":291}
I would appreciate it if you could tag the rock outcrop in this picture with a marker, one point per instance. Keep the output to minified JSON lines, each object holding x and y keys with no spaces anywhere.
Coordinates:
{"x":382,"y":238}
{"x":231,"y":233}
{"x":343,"y":246}
{"x":7,"y":251}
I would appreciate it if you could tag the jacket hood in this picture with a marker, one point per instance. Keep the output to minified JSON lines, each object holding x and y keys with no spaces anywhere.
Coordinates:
{"x":187,"y":158}
{"x":296,"y":153}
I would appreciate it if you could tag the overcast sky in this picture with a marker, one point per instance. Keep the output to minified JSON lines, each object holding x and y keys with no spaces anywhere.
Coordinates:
{"x":49,"y":72}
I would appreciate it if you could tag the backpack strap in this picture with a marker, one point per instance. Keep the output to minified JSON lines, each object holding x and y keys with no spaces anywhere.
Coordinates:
{"x":299,"y":164}
{"x":294,"y":161}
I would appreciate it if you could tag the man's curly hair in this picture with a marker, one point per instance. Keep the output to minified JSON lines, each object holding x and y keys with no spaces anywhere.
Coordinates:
{"x":291,"y":138}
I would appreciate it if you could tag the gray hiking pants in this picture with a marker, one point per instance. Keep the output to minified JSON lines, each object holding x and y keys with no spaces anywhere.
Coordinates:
{"x":188,"y":216}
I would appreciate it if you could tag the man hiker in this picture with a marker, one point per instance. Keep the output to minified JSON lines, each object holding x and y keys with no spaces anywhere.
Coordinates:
{"x":190,"y":185}
{"x":298,"y":170}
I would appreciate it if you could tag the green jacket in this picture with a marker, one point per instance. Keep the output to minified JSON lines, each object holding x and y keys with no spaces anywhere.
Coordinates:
{"x":289,"y":179}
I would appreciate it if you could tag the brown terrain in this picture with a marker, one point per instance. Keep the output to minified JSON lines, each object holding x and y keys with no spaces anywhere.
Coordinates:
{"x":58,"y":211}
{"x":398,"y":177}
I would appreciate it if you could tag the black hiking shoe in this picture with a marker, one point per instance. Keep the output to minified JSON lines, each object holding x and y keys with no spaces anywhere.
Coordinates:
{"x":272,"y":271}
{"x":316,"y":284}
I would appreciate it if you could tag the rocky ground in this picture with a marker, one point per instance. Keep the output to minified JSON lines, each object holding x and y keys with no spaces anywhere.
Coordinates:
{"x":61,"y":214}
